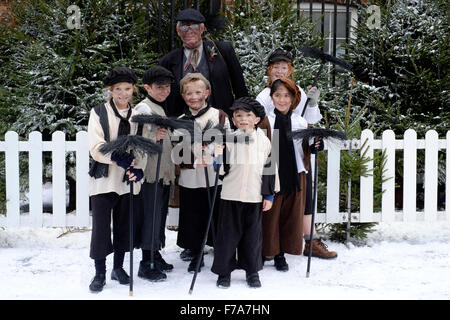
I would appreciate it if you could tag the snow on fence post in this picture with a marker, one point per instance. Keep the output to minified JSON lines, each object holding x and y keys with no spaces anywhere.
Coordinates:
{"x":388,"y":198}
{"x":35,"y":178}
{"x":82,"y":188}
{"x":409,"y":175}
{"x":12,"y":179}
{"x":59,"y":178}
{"x":366,"y":183}
{"x":333,"y":176}
{"x":431,"y":175}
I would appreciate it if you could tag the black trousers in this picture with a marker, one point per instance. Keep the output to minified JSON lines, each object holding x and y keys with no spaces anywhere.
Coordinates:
{"x":238,"y":227}
{"x":107,"y":205}
{"x":193,"y":217}
{"x":146,"y":226}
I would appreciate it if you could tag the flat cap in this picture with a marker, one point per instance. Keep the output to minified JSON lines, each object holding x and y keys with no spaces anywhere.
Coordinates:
{"x":249,"y":104}
{"x":120,"y":74}
{"x":190,"y":14}
{"x":157,"y":74}
{"x":279,"y":55}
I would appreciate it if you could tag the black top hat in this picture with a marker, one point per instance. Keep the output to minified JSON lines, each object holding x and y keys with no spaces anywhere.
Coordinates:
{"x":159,"y":75}
{"x":279,"y":55}
{"x":120,"y":74}
{"x":249,"y":104}
{"x":190,"y":14}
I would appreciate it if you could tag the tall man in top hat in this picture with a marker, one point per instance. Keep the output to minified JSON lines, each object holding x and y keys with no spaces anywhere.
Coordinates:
{"x":216,"y":61}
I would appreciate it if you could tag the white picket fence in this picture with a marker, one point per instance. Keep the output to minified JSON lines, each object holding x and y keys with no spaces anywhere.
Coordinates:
{"x":81,"y":216}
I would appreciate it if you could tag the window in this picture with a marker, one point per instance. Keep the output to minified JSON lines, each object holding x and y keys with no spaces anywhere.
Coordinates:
{"x":341,"y":23}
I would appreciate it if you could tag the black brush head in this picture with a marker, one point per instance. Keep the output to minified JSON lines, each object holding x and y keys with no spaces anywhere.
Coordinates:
{"x":315,"y":53}
{"x":325,"y":134}
{"x":171,"y":123}
{"x":135,"y":143}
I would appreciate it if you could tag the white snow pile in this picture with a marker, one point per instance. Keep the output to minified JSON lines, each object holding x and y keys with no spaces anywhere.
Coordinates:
{"x":399,"y":261}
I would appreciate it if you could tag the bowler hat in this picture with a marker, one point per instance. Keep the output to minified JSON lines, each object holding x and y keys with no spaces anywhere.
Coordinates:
{"x":190,"y":14}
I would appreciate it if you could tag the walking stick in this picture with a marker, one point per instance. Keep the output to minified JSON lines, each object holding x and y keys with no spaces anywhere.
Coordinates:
{"x":213,"y":231}
{"x":142,"y":146}
{"x":316,"y":175}
{"x":211,"y":210}
{"x":131,"y":236}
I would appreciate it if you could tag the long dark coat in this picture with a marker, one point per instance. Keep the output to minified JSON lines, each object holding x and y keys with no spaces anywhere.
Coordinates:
{"x":225,"y":76}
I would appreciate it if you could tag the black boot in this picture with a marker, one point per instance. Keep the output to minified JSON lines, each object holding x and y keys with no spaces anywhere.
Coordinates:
{"x":253,"y":280}
{"x":98,"y":283}
{"x":224,"y":281}
{"x":146,"y":272}
{"x":120,"y":275}
{"x":280,"y":262}
{"x":161,"y":264}
{"x":187,"y":255}
{"x":193,"y":263}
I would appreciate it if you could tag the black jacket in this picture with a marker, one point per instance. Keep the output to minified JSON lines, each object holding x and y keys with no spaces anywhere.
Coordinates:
{"x":225,"y":76}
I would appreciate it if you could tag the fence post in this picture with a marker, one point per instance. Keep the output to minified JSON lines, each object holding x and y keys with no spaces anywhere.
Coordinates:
{"x":388,"y":198}
{"x":447,"y":177}
{"x":410,"y":175}
{"x":82,"y":189}
{"x":366,"y":183}
{"x":12,"y":179}
{"x":59,"y":179}
{"x":35,"y":178}
{"x":333,"y":176}
{"x":431,"y":177}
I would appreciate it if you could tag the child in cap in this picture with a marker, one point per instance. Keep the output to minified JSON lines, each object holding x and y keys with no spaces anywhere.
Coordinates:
{"x":109,"y":193}
{"x":157,"y":82}
{"x":196,"y":169}
{"x":247,"y":190}
{"x":280,"y":65}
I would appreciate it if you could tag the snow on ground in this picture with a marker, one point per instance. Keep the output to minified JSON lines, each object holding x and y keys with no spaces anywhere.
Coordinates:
{"x":399,"y":261}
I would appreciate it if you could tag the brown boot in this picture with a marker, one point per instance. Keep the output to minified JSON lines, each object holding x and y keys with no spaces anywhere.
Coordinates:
{"x":319,"y":250}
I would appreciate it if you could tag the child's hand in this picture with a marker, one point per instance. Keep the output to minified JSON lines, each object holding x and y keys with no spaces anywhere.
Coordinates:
{"x":267,"y":205}
{"x":218,"y":150}
{"x":201,"y":163}
{"x":161,"y":133}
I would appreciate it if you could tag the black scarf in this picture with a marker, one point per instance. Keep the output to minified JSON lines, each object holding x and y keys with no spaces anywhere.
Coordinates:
{"x":189,"y":116}
{"x":161,"y":104}
{"x":287,"y":164}
{"x":124,"y":125}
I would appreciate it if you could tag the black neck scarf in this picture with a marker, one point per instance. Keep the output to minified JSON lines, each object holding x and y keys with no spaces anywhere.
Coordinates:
{"x":161,"y":104}
{"x":124,"y":125}
{"x":287,"y":164}
{"x":189,"y":116}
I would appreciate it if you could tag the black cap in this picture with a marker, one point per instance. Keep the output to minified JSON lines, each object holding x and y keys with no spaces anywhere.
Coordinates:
{"x":157,"y":74}
{"x":279,"y":55}
{"x":190,"y":14}
{"x":120,"y":74}
{"x":249,"y":104}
